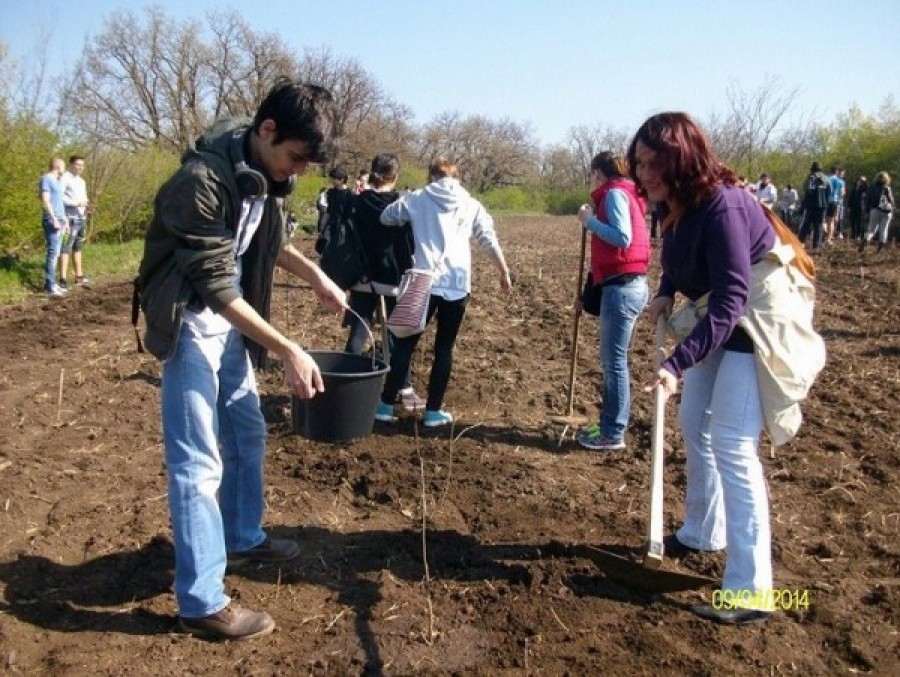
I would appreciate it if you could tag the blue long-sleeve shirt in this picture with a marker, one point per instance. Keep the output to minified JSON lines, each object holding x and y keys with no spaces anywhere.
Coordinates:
{"x":617,"y":230}
{"x":711,"y":249}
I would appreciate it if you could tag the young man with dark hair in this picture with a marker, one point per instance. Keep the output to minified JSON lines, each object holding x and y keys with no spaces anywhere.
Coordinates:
{"x":331,"y":200}
{"x":205,"y":286}
{"x":836,"y":191}
{"x":77,"y":206}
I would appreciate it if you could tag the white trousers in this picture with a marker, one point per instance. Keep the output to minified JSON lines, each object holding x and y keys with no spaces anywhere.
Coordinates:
{"x":726,"y":502}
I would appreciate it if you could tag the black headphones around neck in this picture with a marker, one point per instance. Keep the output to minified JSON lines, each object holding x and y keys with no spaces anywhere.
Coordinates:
{"x":251,"y":181}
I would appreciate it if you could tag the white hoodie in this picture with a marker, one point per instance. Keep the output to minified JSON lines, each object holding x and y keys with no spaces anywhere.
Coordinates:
{"x":444,"y":217}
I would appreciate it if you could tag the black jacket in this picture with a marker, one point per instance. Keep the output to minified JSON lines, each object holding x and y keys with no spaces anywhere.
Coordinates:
{"x":189,"y":246}
{"x":874,"y":197}
{"x":388,"y":251}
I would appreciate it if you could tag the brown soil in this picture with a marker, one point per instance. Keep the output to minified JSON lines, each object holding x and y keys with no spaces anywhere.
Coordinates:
{"x":503,"y":574}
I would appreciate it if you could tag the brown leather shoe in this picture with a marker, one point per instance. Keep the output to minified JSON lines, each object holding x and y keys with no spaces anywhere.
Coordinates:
{"x":232,"y":622}
{"x":269,"y":551}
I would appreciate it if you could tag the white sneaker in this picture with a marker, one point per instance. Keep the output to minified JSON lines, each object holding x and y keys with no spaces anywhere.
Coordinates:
{"x":56,"y":292}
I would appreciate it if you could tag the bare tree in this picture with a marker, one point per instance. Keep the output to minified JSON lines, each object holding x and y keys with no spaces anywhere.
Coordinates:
{"x":561,"y":169}
{"x":489,"y":153}
{"x":747,"y":131}
{"x":585,"y":142}
{"x":140,"y":84}
{"x":368,"y":120}
{"x":243,"y":64}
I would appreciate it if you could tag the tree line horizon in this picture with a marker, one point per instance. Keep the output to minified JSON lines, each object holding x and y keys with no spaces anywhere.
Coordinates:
{"x":147,"y":85}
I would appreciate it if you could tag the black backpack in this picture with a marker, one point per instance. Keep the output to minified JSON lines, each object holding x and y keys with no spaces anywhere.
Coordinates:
{"x":816,"y":189}
{"x":339,"y":245}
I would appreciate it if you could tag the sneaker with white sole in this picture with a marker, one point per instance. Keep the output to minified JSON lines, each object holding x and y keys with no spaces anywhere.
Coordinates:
{"x":385,"y":413}
{"x":435,"y":419}
{"x":410,"y":401}
{"x":593,"y":438}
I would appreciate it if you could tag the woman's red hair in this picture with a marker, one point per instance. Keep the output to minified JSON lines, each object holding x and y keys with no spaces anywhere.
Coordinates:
{"x":684,"y":158}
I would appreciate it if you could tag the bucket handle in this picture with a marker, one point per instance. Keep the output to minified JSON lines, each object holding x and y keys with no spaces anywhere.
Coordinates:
{"x":369,"y":331}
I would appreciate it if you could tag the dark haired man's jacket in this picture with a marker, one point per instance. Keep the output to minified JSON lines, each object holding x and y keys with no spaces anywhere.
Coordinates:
{"x":189,"y":250}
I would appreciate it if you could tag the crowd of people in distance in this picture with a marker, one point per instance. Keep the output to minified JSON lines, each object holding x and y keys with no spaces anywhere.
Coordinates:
{"x":826,"y":206}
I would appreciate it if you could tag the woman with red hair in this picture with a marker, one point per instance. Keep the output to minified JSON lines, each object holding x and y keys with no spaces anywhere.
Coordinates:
{"x":712,"y":232}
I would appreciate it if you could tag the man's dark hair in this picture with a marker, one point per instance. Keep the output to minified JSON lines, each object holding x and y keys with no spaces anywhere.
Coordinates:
{"x":815,"y":167}
{"x":338,"y":174}
{"x":385,"y":168}
{"x":300,"y":111}
{"x":75,"y":158}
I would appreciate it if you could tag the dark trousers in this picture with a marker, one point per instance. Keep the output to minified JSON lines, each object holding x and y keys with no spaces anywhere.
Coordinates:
{"x":449,"y":319}
{"x":366,"y":304}
{"x":813,"y":221}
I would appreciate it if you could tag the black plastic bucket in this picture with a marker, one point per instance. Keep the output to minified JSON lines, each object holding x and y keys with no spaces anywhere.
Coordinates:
{"x":346,"y":410}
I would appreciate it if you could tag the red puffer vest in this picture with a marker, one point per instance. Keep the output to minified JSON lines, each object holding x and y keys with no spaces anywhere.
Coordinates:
{"x":608,"y":261}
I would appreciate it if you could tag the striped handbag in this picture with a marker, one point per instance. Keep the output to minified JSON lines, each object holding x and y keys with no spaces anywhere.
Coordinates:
{"x":411,"y":311}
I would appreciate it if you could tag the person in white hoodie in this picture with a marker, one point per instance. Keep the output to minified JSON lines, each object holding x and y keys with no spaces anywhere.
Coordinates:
{"x":444,"y":218}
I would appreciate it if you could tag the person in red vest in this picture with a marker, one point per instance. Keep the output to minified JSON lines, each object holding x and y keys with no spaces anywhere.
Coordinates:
{"x":620,"y":254}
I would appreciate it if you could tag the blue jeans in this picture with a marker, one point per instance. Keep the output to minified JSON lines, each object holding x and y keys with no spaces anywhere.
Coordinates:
{"x":53,"y":236}
{"x":215,"y":436}
{"x":619,"y":309}
{"x":726,"y":503}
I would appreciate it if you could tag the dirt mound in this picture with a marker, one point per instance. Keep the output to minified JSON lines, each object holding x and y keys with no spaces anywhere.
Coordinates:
{"x":528,"y":558}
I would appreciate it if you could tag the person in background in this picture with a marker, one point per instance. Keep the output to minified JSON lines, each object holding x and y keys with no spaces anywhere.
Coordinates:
{"x":361,"y":183}
{"x":766,"y":192}
{"x":654,"y":221}
{"x":880,"y":201}
{"x":205,"y":284}
{"x":321,"y":208}
{"x":857,"y":208}
{"x":620,"y":254}
{"x":444,"y":217}
{"x":334,"y":197}
{"x":713,"y":232}
{"x":787,"y":206}
{"x":77,"y":206}
{"x":53,"y":220}
{"x":291,"y":225}
{"x":816,"y":190}
{"x":388,"y":253}
{"x":836,"y":190}
{"x":335,"y":200}
{"x":839,"y":217}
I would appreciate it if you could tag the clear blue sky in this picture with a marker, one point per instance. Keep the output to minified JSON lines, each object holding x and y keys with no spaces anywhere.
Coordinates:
{"x":551,"y":63}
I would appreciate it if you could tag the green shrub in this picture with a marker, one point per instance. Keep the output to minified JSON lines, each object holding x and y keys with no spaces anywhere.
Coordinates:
{"x":563,"y":203}
{"x":25,"y":151}
{"x":514,"y":199}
